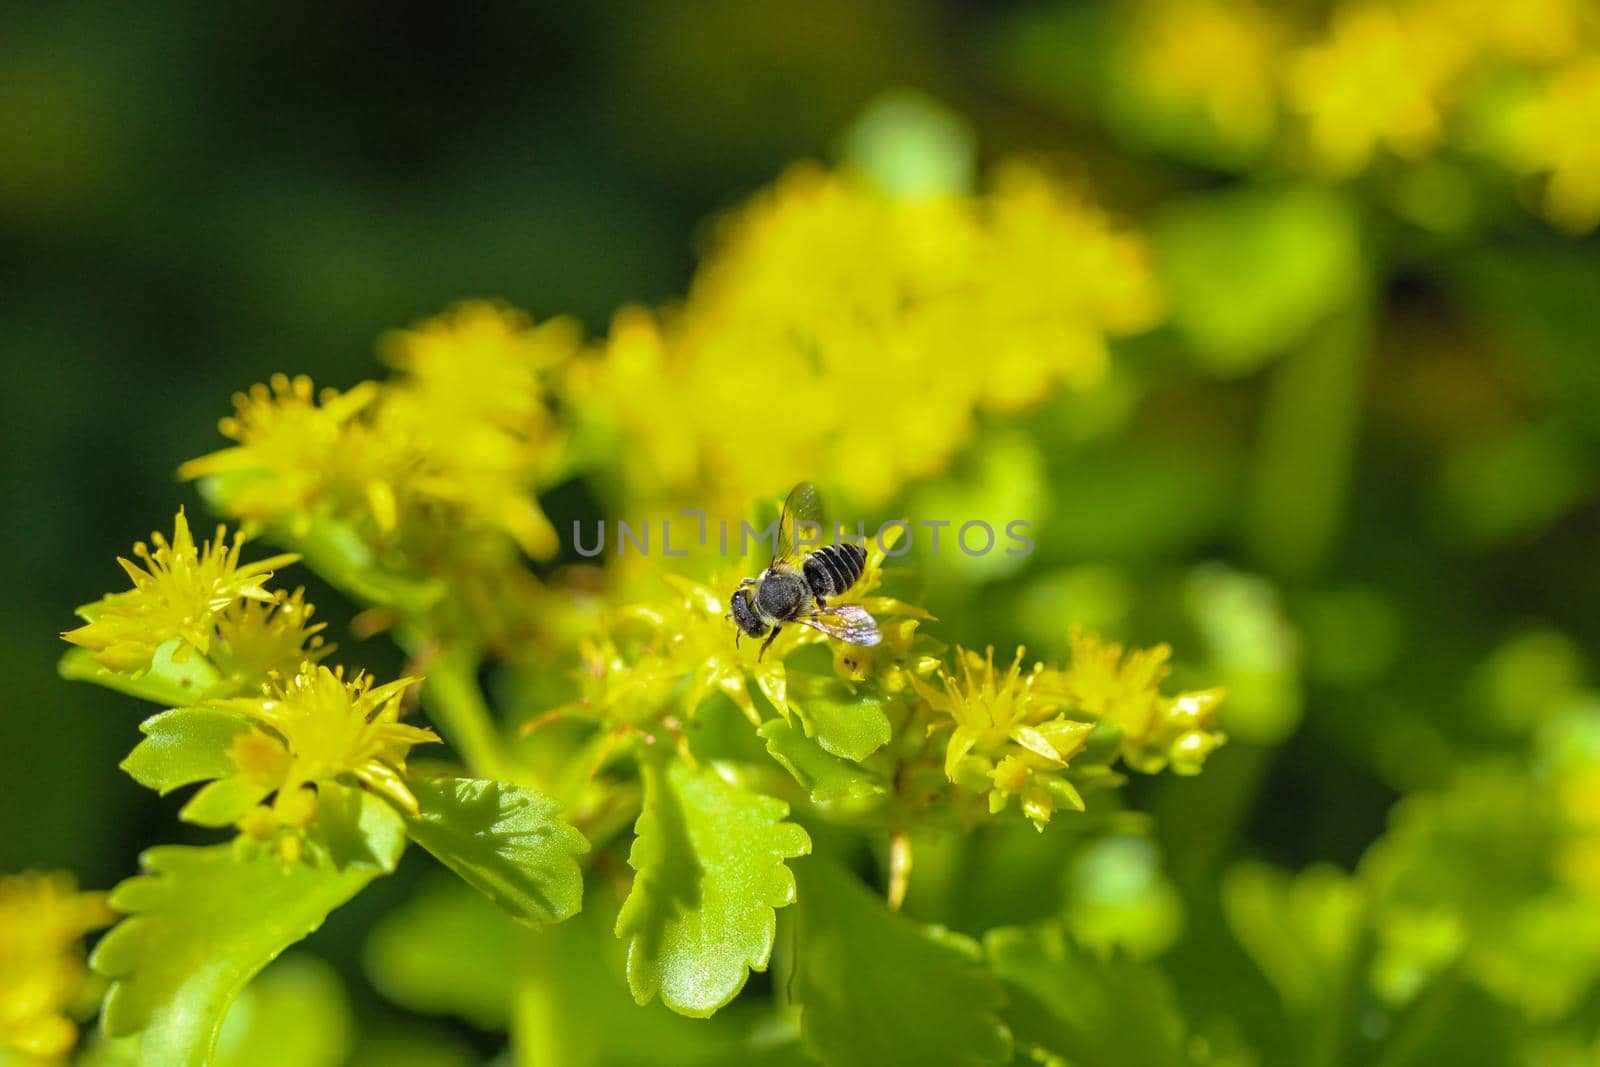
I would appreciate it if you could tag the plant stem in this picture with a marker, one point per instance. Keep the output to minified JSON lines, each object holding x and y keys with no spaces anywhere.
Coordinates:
{"x":456,"y":705}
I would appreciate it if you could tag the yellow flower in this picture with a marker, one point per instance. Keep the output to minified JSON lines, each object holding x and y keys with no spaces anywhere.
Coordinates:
{"x":1377,"y":80}
{"x":1218,"y":55}
{"x":838,"y":333}
{"x":687,"y":635}
{"x":1156,"y":730}
{"x":294,"y":454}
{"x":1010,"y":736}
{"x":472,"y":393}
{"x":259,"y":640}
{"x":1554,"y":134}
{"x":313,"y":727}
{"x":182,"y":592}
{"x":42,"y":975}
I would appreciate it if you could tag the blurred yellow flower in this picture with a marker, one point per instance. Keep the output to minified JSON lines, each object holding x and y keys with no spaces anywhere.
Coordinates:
{"x":457,"y":442}
{"x":310,"y":728}
{"x":1218,"y":55}
{"x":1377,"y":80}
{"x":1010,"y":737}
{"x":1555,"y":135}
{"x":294,"y":454}
{"x":472,"y":395}
{"x":182,"y":592}
{"x":837,"y":333}
{"x":42,"y":974}
{"x":1157,"y":731}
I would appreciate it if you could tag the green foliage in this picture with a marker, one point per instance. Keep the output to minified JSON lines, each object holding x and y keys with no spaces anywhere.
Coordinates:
{"x":166,"y":682}
{"x":880,"y":989}
{"x":475,"y":979}
{"x":1069,"y":1007}
{"x":709,"y":857}
{"x":1252,"y":270}
{"x":851,"y":726}
{"x":183,"y":746}
{"x":504,"y":841}
{"x":826,"y":776}
{"x":201,"y":922}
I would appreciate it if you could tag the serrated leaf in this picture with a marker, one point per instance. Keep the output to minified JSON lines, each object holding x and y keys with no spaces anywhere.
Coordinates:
{"x":474,"y":980}
{"x":166,"y":682}
{"x":827,"y":777}
{"x":183,"y":746}
{"x":1109,"y":1013}
{"x":701,"y":916}
{"x":201,"y":923}
{"x":880,"y":990}
{"x":848,"y":725}
{"x":507,"y":842}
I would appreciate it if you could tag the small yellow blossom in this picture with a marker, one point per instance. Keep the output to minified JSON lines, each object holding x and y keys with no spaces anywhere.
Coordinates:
{"x":310,"y":728}
{"x":42,"y":974}
{"x":1218,"y":55}
{"x":182,"y":592}
{"x":295,"y":453}
{"x":1555,"y":135}
{"x":1011,"y":737}
{"x":1377,"y":80}
{"x":258,"y":640}
{"x":1125,"y":690}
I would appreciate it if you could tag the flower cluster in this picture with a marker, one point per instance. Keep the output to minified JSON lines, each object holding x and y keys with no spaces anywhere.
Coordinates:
{"x":826,"y":290}
{"x":685,"y":638}
{"x":1402,"y":77}
{"x":196,"y":599}
{"x":1014,"y":733}
{"x":43,"y":980}
{"x":458,"y":442}
{"x":309,"y":729}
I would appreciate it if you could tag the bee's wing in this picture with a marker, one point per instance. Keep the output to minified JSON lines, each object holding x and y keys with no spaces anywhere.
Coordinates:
{"x":802,"y":506}
{"x":850,"y":623}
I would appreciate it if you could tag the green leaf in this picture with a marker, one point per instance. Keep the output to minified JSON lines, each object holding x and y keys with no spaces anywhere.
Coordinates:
{"x":183,"y":746}
{"x":849,"y":725}
{"x":296,"y":1012}
{"x":201,"y":923}
{"x":1252,"y":270}
{"x":223,"y":802}
{"x":828,"y":777}
{"x":879,"y":989}
{"x":357,"y":827}
{"x":709,"y":858}
{"x":474,"y":980}
{"x":166,"y":682}
{"x":1302,"y":930}
{"x":505,"y":841}
{"x":1108,"y":1013}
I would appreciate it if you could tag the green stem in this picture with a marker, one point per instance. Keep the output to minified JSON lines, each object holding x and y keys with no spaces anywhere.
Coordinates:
{"x":1307,"y":446}
{"x":1417,"y":1025}
{"x":456,"y":706}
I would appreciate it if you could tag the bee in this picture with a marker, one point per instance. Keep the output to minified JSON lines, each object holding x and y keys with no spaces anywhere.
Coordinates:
{"x":789,"y":592}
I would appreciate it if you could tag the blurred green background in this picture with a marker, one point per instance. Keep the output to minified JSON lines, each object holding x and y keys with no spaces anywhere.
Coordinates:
{"x":1354,"y":478}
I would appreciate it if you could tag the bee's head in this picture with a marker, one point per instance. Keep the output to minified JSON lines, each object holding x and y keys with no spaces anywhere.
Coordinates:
{"x":744,"y":616}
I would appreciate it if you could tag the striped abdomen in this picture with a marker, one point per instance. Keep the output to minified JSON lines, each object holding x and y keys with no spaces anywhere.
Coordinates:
{"x":832,"y":569}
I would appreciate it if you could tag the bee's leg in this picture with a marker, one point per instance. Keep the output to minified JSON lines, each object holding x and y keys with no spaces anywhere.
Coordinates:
{"x":768,"y":641}
{"x":821,"y":604}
